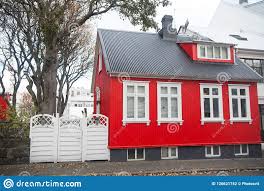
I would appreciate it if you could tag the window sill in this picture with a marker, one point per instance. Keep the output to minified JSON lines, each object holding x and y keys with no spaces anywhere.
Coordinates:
{"x":169,"y":158}
{"x":212,"y":156}
{"x":241,"y":120}
{"x":170,"y":121}
{"x":136,"y":121}
{"x":203,"y":121}
{"x":237,"y":155}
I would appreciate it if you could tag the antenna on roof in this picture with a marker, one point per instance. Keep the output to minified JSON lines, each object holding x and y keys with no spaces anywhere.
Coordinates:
{"x":186,"y":26}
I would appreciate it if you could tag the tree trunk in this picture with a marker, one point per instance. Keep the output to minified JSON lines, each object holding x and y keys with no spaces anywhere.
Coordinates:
{"x":48,"y":106}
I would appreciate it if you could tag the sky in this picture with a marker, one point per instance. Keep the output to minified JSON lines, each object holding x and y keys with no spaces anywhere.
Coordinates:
{"x":198,"y":12}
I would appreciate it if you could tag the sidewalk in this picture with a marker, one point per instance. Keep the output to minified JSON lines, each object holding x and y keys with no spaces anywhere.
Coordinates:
{"x":176,"y":167}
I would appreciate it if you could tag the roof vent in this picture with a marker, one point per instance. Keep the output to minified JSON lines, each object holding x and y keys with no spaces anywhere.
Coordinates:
{"x":168,"y":32}
{"x":243,"y":2}
{"x":238,"y":37}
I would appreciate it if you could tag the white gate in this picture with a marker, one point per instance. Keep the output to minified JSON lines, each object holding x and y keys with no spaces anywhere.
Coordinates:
{"x":68,"y":139}
{"x":95,"y":138}
{"x":43,"y":138}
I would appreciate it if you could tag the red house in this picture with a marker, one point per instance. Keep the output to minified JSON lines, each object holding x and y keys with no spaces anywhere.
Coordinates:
{"x":174,"y":96}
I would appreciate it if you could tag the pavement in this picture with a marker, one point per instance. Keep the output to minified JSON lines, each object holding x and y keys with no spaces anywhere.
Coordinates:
{"x":245,"y":166}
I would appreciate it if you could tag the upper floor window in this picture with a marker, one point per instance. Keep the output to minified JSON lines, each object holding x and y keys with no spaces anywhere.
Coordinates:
{"x":135,"y":102}
{"x":213,"y":52}
{"x":169,"y":102}
{"x":255,"y":64}
{"x":100,"y":60}
{"x":239,"y":103}
{"x":211,"y":103}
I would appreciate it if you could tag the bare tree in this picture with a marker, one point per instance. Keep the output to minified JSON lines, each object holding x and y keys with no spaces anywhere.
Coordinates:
{"x":53,"y":19}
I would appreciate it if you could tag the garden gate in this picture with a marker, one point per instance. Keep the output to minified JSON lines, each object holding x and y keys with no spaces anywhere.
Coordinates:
{"x":54,"y":139}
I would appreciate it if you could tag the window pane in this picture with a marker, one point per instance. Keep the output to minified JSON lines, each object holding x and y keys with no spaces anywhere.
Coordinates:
{"x":173,"y":90}
{"x":164,"y":152}
{"x":217,"y":52}
{"x":237,"y":149}
{"x":131,"y":154}
{"x":235,"y":107}
{"x":164,"y":107}
{"x":141,"y":89}
{"x":234,"y":91}
{"x":207,"y":107}
{"x":130,"y":107}
{"x":206,"y":91}
{"x":130,"y":89}
{"x":244,"y":148}
{"x":224,"y":52}
{"x":208,"y":150}
{"x":216,"y":150}
{"x":216,"y":107}
{"x":141,"y":107}
{"x":174,"y":107}
{"x":202,"y":51}
{"x":209,"y":51}
{"x":173,"y":152}
{"x":242,"y":92}
{"x":243,"y":108}
{"x":215,"y":91}
{"x":140,"y":153}
{"x":164,"y":90}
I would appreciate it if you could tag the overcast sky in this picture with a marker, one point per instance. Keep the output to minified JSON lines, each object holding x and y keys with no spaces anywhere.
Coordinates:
{"x":198,"y":12}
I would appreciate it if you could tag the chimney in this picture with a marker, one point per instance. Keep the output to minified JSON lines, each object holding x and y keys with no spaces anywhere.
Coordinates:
{"x":167,"y":32}
{"x":243,"y":2}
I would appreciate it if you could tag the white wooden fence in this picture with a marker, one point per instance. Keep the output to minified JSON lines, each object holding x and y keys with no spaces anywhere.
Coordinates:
{"x":64,"y":139}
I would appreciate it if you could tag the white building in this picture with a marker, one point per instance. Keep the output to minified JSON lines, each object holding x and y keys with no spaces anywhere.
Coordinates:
{"x":242,"y":24}
{"x":80,"y":102}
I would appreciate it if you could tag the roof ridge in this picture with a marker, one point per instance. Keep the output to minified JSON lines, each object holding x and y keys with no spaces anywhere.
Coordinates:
{"x":119,"y":30}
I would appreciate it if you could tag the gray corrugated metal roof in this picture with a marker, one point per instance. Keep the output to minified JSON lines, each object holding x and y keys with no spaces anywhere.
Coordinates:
{"x":146,"y":54}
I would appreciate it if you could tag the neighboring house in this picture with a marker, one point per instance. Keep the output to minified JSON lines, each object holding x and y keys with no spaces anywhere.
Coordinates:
{"x":241,"y":24}
{"x":80,"y":102}
{"x":165,"y":97}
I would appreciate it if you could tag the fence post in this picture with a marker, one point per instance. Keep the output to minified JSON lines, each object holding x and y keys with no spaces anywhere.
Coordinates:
{"x":56,"y":127}
{"x":84,"y":130}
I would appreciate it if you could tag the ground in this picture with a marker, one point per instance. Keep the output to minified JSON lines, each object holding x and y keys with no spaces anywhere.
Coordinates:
{"x":221,"y":167}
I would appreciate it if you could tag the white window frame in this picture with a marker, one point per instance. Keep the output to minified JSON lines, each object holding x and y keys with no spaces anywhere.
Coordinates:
{"x":212,"y":151}
{"x":125,"y":94}
{"x":213,"y":58}
{"x":219,"y":96}
{"x":240,"y":149}
{"x":169,"y":153}
{"x":100,"y":60}
{"x":247,"y":96}
{"x":169,"y":96}
{"x":136,"y":159}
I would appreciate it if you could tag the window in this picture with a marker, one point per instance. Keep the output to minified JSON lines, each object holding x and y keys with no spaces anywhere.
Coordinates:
{"x":169,"y":152}
{"x":135,"y":102}
{"x":78,"y":93}
{"x":72,"y":93}
{"x":211,"y":103}
{"x":100,"y":60}
{"x":214,"y":52}
{"x":241,"y":150}
{"x":212,"y":151}
{"x":239,"y":105}
{"x":255,"y":64}
{"x":169,"y":102}
{"x":135,"y":154}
